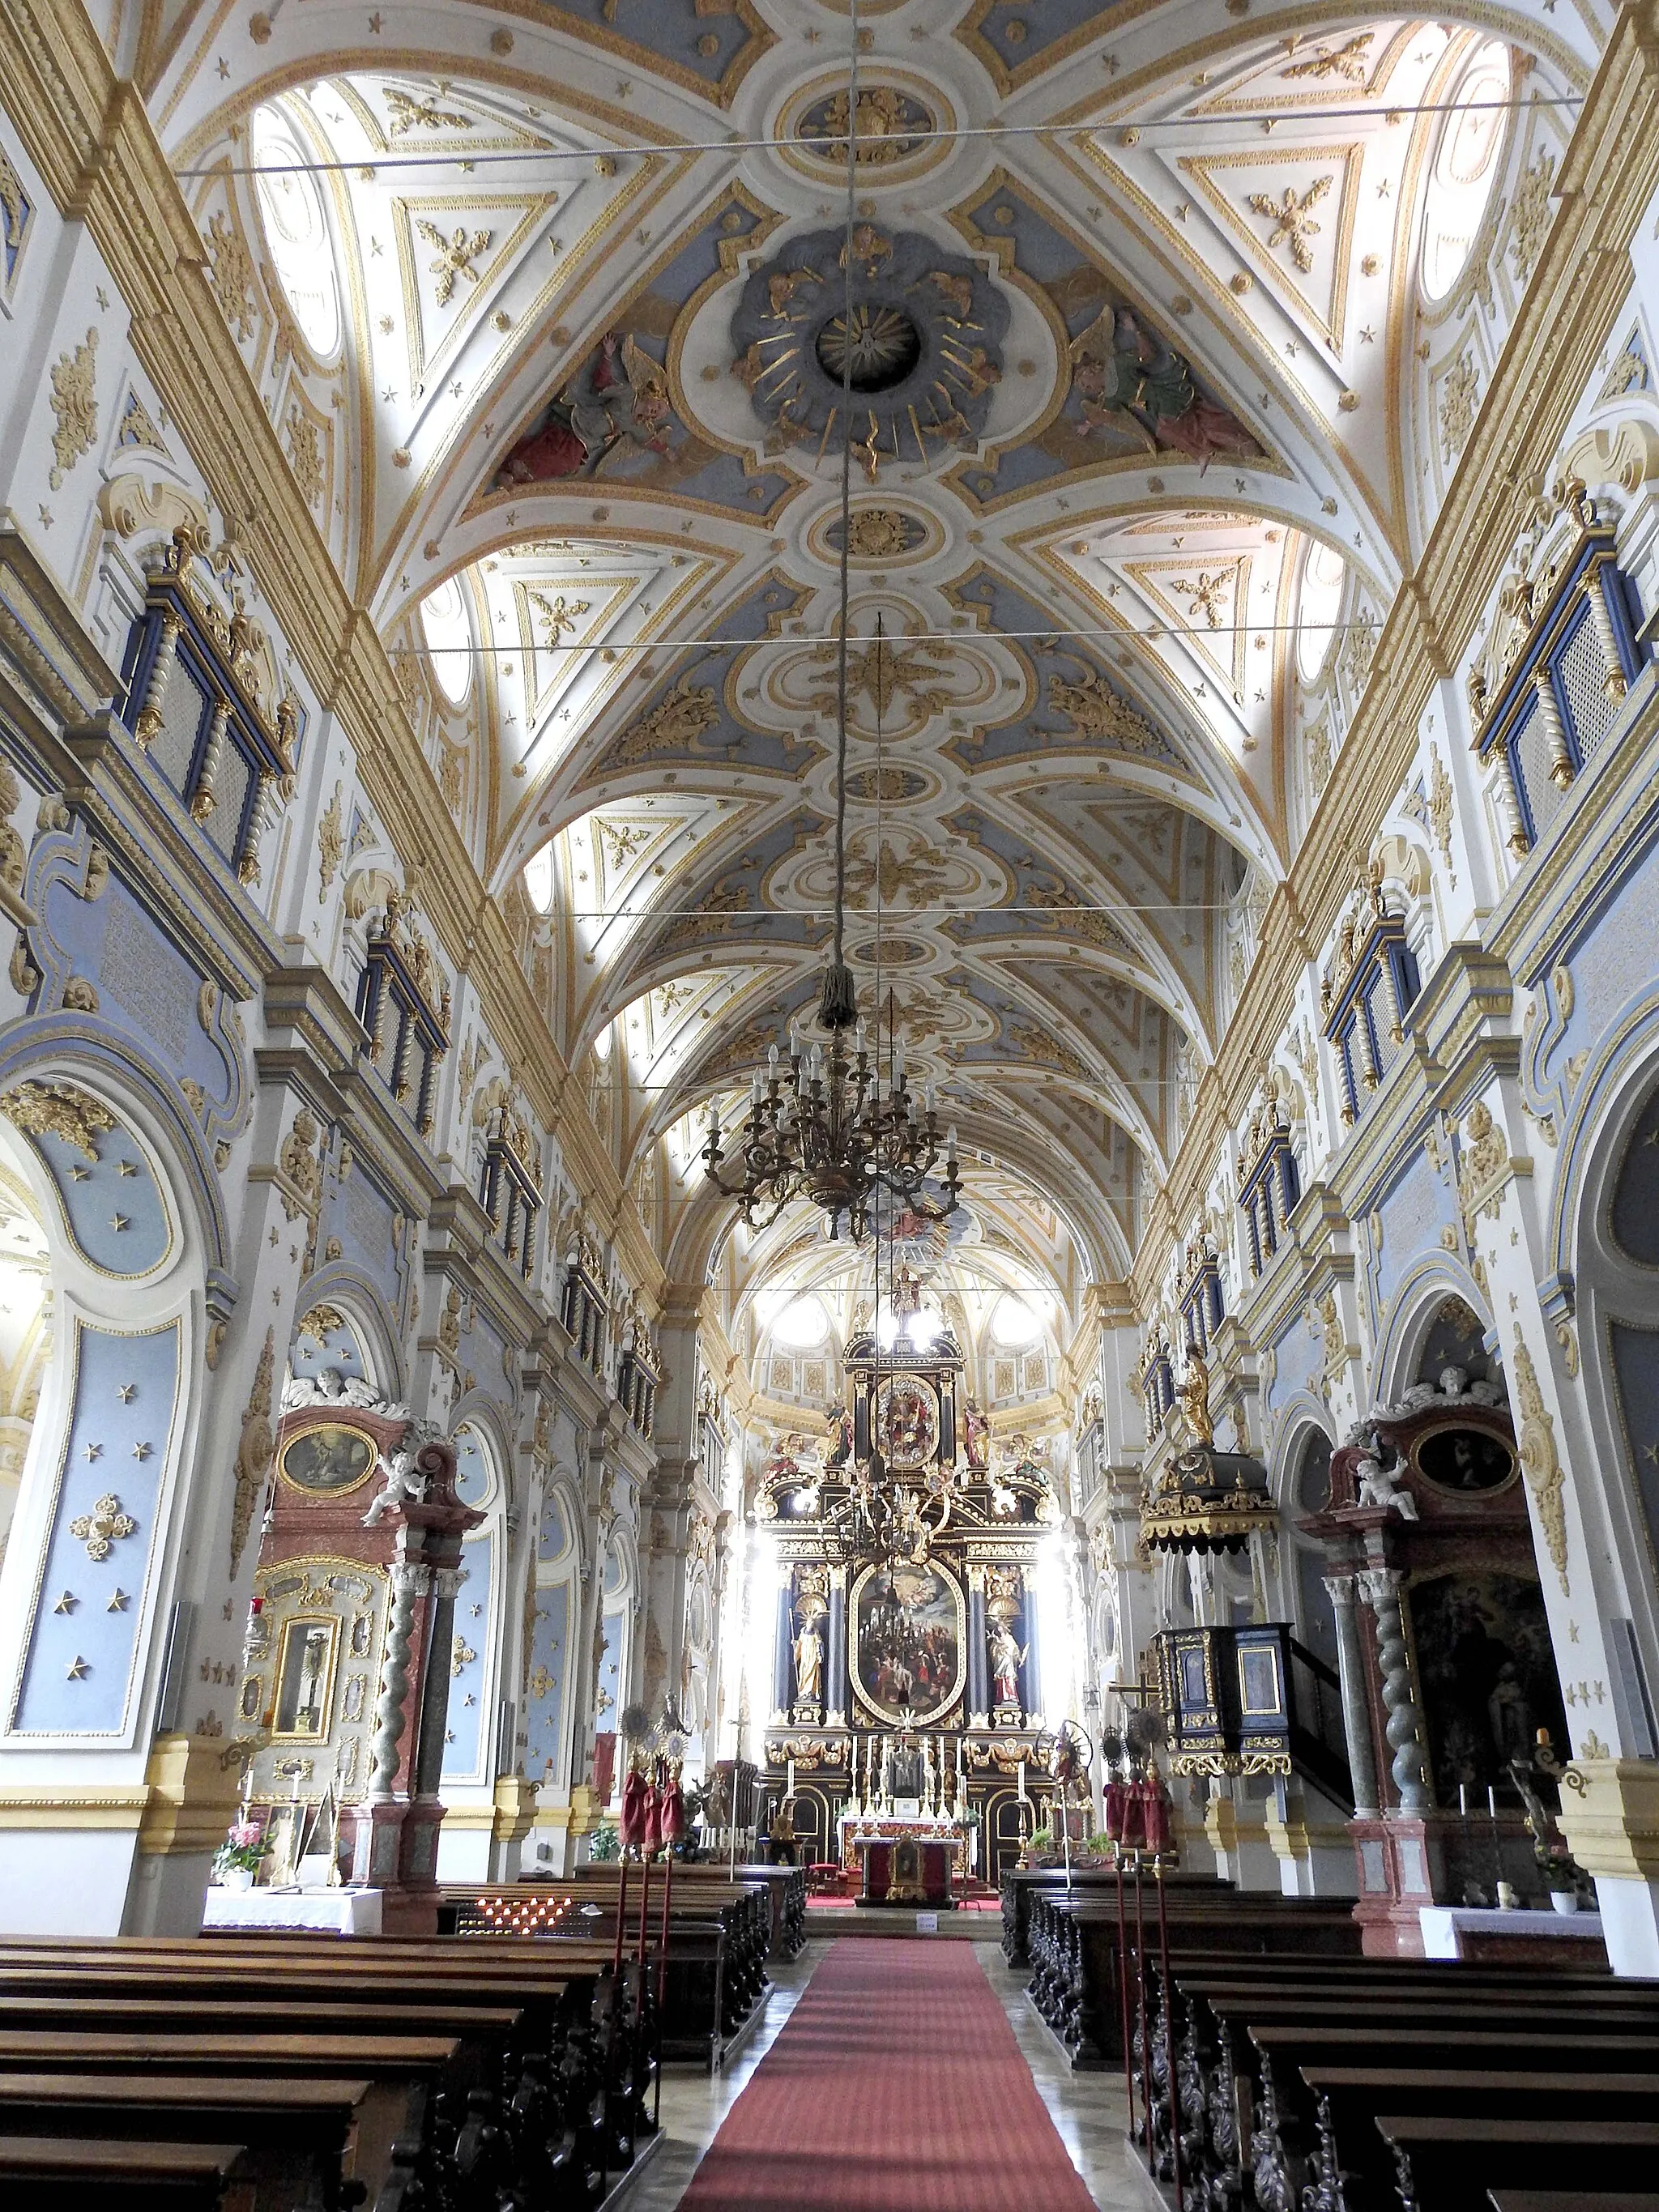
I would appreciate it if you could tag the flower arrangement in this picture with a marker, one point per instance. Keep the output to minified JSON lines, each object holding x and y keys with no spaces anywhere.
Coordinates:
{"x":1556,"y":1863}
{"x":605,"y":1843}
{"x":245,"y":1847}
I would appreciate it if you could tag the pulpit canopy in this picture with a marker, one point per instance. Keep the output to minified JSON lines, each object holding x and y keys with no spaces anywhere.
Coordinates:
{"x":1206,"y":1500}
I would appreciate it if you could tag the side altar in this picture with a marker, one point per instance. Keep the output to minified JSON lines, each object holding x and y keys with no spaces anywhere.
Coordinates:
{"x":906,"y":1685}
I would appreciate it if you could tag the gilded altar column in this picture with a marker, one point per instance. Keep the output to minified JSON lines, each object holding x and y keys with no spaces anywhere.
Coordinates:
{"x":836,"y":1699}
{"x":1356,"y":1715}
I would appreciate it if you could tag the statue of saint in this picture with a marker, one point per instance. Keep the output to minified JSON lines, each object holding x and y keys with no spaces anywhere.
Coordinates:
{"x":978,"y":1436}
{"x":1006,"y":1659}
{"x":1195,"y":1397}
{"x":809,"y":1661}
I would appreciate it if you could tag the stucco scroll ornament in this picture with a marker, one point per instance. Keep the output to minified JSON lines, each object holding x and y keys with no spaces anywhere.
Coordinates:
{"x":254,"y":1450}
{"x":57,"y":1109}
{"x":1540,"y":1461}
{"x":74,"y":403}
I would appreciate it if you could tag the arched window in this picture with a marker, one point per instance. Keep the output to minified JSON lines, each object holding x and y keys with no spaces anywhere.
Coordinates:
{"x":539,"y":879}
{"x":1323,"y":574}
{"x":1466,"y":167}
{"x":296,"y":230}
{"x":449,"y":640}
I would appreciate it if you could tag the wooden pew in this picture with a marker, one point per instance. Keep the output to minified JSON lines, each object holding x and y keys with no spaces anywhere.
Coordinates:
{"x":36,"y":2172}
{"x":1448,"y":2165}
{"x":568,"y":2122}
{"x":1242,"y":2031}
{"x":1020,"y":1884}
{"x":1585,"y":2198}
{"x":298,"y":2141}
{"x":721,"y":1935}
{"x":1075,"y":1945}
{"x":1349,"y":2153}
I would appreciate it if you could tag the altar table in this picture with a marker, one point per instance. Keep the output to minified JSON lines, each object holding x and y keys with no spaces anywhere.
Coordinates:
{"x":1488,"y":1936}
{"x":342,"y":1911}
{"x":903,"y":1871}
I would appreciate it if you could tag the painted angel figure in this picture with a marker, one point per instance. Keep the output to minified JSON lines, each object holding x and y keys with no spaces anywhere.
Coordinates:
{"x":617,"y":401}
{"x":977,"y":1431}
{"x":1129,"y":380}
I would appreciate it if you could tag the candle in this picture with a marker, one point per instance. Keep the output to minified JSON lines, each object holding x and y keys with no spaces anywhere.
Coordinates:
{"x":1022,"y":1782}
{"x":1464,"y":1799}
{"x":791,"y":1783}
{"x":1492,"y":1802}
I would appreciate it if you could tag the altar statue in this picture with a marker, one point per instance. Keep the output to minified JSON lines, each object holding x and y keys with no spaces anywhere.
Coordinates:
{"x":809,"y":1661}
{"x":977,"y":1431}
{"x":1006,"y":1660}
{"x":1194,"y":1395}
{"x":838,"y":1449}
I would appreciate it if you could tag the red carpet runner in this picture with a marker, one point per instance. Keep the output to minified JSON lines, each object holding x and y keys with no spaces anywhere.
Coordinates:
{"x":896,"y":2085}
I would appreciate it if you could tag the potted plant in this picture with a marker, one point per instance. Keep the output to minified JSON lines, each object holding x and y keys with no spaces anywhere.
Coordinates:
{"x":1562,"y":1874}
{"x":605,"y":1843}
{"x":238,"y":1858}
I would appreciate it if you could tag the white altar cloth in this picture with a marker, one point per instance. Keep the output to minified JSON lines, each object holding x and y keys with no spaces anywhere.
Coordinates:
{"x":1444,"y":1926}
{"x":345,"y":1911}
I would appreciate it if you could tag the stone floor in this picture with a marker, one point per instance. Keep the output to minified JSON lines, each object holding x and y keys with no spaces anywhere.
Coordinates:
{"x":1087,"y":2109}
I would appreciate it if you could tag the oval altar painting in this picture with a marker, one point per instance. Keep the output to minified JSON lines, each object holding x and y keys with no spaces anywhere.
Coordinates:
{"x":907,"y":1642}
{"x":331,"y":1457}
{"x":1464,"y":1460}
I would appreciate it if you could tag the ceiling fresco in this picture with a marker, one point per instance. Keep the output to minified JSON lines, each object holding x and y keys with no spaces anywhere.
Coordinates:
{"x":1139,"y":327}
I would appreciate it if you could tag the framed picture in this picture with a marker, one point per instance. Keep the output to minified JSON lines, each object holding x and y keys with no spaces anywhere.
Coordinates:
{"x":909,"y":1642}
{"x":304,"y":1678}
{"x":906,"y":1423}
{"x":331,"y":1458}
{"x":1464,"y":1460}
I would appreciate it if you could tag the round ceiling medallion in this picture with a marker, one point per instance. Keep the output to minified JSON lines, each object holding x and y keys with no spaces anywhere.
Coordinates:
{"x":881,"y":537}
{"x":891,"y":952}
{"x":926,"y":336}
{"x":886,"y":346}
{"x":902,"y":127}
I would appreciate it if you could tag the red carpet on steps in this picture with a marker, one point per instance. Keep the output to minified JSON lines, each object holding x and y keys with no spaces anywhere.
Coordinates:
{"x":896,"y":2086}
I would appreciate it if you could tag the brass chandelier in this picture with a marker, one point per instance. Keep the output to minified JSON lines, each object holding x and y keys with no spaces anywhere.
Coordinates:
{"x":834,"y":1127}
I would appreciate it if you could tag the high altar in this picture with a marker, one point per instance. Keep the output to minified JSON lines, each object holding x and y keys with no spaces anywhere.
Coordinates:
{"x":905,"y":1690}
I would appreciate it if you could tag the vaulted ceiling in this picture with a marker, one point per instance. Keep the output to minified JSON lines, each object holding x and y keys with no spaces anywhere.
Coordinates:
{"x":1150,"y":295}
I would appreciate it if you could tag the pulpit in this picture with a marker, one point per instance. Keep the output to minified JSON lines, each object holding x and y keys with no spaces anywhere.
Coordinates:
{"x":906,"y":1870}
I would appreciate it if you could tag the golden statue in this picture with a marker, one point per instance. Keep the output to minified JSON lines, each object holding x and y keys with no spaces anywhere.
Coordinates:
{"x":1194,"y":1394}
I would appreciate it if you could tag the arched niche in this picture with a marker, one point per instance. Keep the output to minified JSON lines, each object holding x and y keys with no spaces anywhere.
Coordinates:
{"x":109,"y":1478}
{"x":552,"y":1613}
{"x":473,"y":1660}
{"x":26,"y":1330}
{"x":1616,"y":1249}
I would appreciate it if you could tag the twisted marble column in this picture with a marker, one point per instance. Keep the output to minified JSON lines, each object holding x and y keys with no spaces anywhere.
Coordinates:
{"x":1380,"y":1588}
{"x":409,"y":1580}
{"x":1356,"y":1715}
